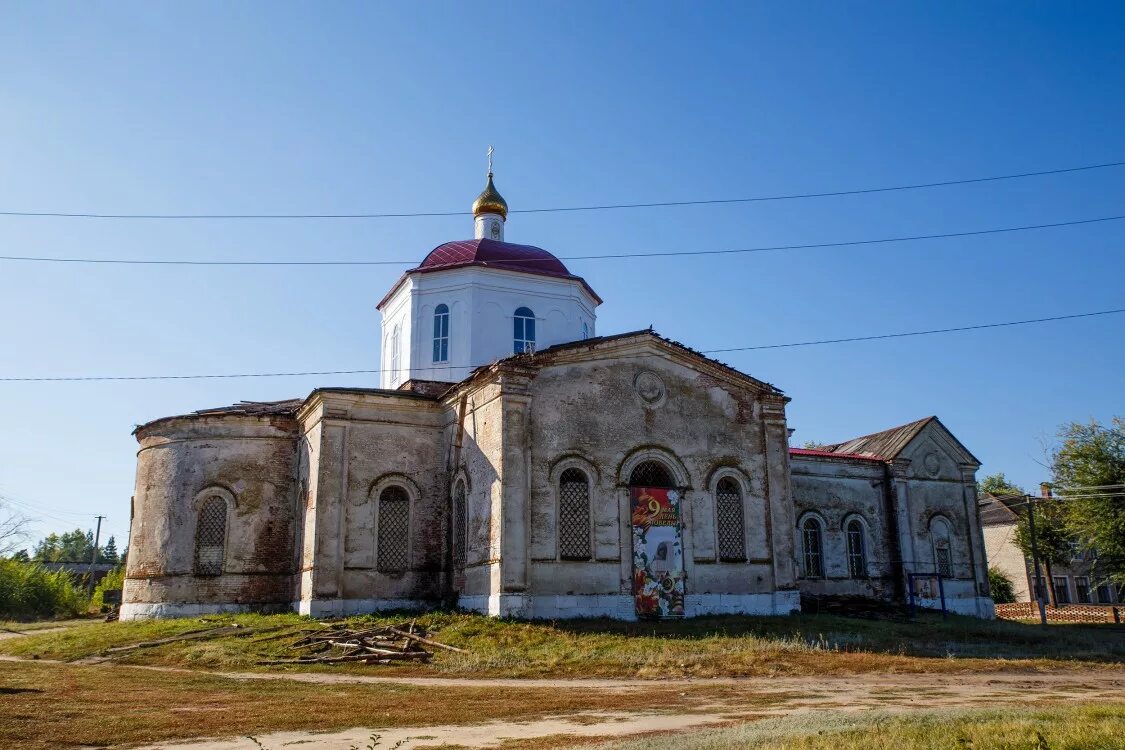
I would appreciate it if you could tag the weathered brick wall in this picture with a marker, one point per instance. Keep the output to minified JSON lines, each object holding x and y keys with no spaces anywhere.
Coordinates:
{"x":1076,"y":613}
{"x":251,"y":461}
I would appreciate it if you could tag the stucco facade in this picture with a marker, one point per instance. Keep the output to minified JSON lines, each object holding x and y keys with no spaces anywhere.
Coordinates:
{"x":304,"y":483}
{"x":515,"y":464}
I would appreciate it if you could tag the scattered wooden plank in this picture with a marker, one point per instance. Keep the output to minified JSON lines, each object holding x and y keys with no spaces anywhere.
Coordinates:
{"x":426,"y":641}
{"x":189,"y":636}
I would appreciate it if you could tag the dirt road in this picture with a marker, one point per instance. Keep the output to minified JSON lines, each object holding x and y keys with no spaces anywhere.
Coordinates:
{"x":742,"y":700}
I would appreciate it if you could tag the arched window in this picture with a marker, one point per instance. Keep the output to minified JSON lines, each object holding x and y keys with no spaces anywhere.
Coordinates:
{"x":811,"y":538}
{"x":728,"y":509}
{"x":396,"y":354}
{"x":651,"y":474}
{"x":460,"y":526}
{"x":940,"y":537}
{"x":524,"y":331}
{"x":394,"y":530}
{"x":857,"y":550}
{"x":441,"y":333}
{"x":211,"y":537}
{"x":574,"y":515}
{"x":585,"y":331}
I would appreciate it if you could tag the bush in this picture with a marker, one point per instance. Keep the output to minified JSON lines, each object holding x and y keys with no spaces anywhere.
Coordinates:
{"x":114,"y":579}
{"x":1003,"y":590}
{"x":28,"y":591}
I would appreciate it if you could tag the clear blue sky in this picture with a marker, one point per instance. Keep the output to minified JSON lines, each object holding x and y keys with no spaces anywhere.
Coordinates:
{"x":273,"y":107}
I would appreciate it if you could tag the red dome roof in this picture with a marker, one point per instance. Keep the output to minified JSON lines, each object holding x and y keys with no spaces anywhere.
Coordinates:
{"x":484,"y":252}
{"x":492,"y":254}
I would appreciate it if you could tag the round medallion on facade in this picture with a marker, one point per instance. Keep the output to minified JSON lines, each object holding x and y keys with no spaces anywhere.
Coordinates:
{"x":932,"y":464}
{"x":650,"y":388}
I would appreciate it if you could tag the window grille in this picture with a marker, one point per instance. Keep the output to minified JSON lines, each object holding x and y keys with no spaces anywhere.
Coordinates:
{"x":940,"y":535}
{"x":732,"y":532}
{"x":394,"y":530}
{"x":574,"y":515}
{"x":210,"y":537}
{"x":1062,"y":590}
{"x":857,"y":551}
{"x":441,"y":333}
{"x":651,"y":474}
{"x":460,"y":526}
{"x":944,"y":562}
{"x":524,"y":331}
{"x":814,"y":558}
{"x":1082,"y":589}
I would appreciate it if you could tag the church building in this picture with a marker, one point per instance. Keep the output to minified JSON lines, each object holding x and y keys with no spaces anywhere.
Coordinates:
{"x":513,"y":462}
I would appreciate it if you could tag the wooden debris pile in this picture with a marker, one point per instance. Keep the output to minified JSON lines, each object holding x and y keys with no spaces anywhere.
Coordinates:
{"x":336,"y":643}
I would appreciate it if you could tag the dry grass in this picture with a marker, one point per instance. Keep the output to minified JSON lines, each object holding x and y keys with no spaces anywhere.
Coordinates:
{"x":705,"y":647}
{"x":47,"y":706}
{"x":1098,"y":727}
{"x":18,"y":626}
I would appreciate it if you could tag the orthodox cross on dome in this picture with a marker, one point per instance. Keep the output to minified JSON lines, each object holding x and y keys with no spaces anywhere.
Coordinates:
{"x":490,"y":210}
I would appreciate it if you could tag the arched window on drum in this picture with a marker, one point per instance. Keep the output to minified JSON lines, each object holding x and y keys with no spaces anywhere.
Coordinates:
{"x":211,"y":537}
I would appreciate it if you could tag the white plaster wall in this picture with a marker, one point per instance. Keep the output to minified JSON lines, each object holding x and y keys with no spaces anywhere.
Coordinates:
{"x":482,"y":304}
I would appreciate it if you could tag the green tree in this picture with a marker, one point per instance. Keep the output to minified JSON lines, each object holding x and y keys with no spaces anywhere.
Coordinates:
{"x":1089,"y":471}
{"x":998,"y":484}
{"x":108,"y":553}
{"x":1003,"y":590}
{"x":71,"y":546}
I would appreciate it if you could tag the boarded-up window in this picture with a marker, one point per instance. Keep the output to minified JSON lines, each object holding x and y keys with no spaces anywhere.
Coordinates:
{"x":814,"y":556}
{"x":857,"y":550}
{"x":394,"y":530}
{"x":460,"y":526}
{"x":732,"y":532}
{"x":651,"y":474}
{"x":574,"y":515}
{"x":210,"y":537}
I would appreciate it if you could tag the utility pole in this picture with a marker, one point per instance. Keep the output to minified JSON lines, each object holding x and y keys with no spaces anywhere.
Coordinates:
{"x":94,"y":557}
{"x":1035,"y":560}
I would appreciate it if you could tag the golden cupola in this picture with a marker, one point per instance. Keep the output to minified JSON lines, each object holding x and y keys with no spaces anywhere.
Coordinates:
{"x":490,"y":210}
{"x":490,"y":201}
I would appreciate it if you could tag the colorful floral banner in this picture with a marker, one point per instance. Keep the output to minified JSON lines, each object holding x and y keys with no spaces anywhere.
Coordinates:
{"x":658,"y":554}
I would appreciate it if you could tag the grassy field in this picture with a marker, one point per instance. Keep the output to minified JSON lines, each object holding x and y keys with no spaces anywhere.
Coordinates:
{"x":1046,"y":728}
{"x":705,"y":647}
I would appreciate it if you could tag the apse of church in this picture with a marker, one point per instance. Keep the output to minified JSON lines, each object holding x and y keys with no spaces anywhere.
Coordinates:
{"x":515,"y":463}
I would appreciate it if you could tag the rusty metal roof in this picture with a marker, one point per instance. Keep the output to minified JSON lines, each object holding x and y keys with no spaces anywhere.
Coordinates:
{"x":886,"y":444}
{"x":255,"y":408}
{"x":815,"y":453}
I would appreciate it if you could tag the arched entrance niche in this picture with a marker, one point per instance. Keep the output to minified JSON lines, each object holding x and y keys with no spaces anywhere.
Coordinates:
{"x":655,"y":481}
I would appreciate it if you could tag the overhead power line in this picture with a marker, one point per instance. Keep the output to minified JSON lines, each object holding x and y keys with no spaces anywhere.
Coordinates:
{"x":818,"y":342}
{"x":603,"y":256}
{"x":556,"y":209}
